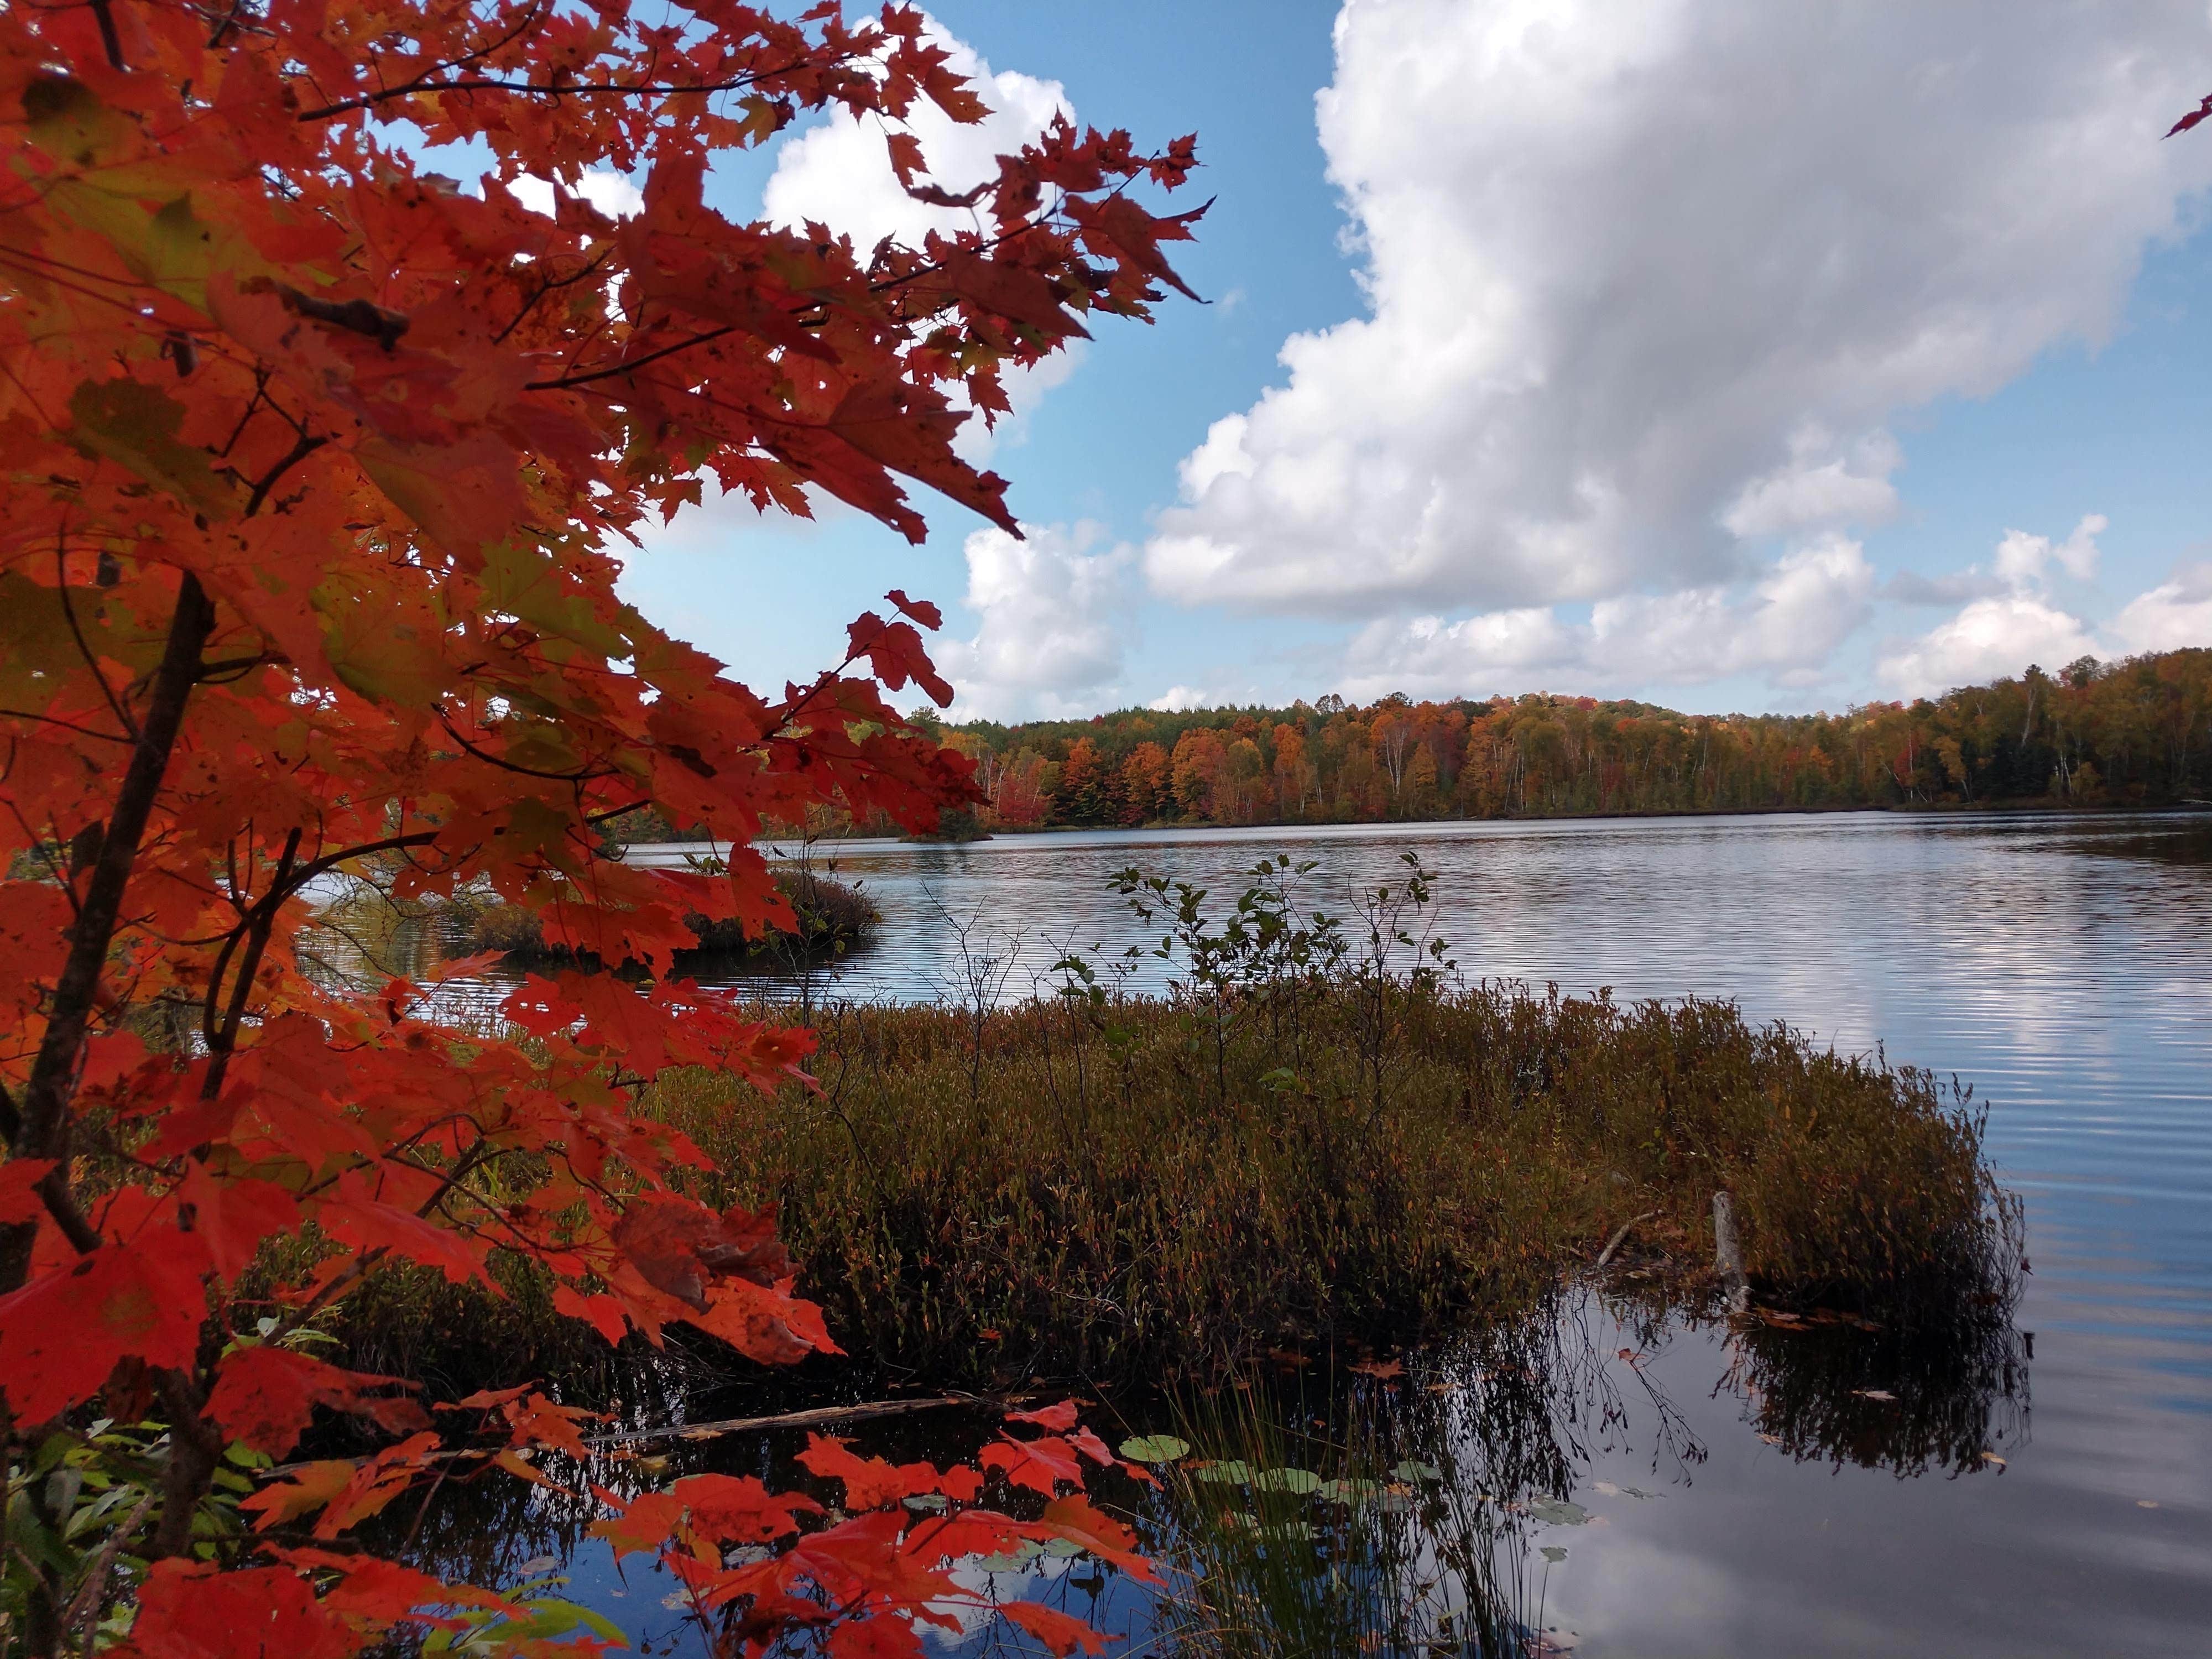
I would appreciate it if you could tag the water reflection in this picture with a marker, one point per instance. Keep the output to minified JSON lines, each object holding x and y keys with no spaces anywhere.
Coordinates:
{"x":1445,"y":1509}
{"x":2058,"y":963}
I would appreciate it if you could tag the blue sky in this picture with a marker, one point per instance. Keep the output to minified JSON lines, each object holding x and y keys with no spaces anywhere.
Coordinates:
{"x":1669,"y":351}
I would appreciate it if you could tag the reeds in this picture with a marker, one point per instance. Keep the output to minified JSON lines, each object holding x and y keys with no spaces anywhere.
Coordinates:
{"x":1095,"y":1189}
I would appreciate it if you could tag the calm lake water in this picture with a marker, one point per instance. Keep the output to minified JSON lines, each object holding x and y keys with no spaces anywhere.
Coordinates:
{"x":2058,"y":965}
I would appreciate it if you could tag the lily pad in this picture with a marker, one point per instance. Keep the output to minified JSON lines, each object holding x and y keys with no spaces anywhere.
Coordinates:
{"x":1553,"y":1553}
{"x":1062,"y":1549}
{"x":927,"y":1502}
{"x":1234,"y":1472}
{"x":1350,"y":1491}
{"x":1155,"y":1449}
{"x":1410,"y":1470}
{"x":1015,"y":1560}
{"x":1300,"y":1483}
{"x":1558,"y":1512}
{"x":538,"y":1564}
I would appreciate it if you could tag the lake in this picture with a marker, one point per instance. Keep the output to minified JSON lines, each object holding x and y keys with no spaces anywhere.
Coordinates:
{"x":2058,"y":965}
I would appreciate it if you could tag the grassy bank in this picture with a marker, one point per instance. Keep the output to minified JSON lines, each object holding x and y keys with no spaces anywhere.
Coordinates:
{"x":829,"y":916}
{"x":1130,"y":1190}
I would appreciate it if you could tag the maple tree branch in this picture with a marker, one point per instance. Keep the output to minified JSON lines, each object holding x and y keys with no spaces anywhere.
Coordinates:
{"x":517,"y":767}
{"x":307,"y":872}
{"x":45,"y":1110}
{"x":110,"y":41}
{"x":261,"y":921}
{"x":548,"y":287}
{"x":424,"y":83}
{"x":563,"y":382}
{"x":231,"y":670}
{"x":195,"y":1448}
{"x":62,"y":1205}
{"x":299,"y":452}
{"x":66,"y":725}
{"x":83,"y":649}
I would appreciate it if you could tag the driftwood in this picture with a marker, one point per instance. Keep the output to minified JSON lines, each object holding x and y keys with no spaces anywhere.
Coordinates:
{"x":812,"y":1417}
{"x":800,"y":1419}
{"x":1614,"y":1243}
{"x":1727,"y":1255}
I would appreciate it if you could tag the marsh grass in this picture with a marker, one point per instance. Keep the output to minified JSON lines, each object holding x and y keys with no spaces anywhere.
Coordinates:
{"x":1109,"y":1198}
{"x":1089,"y":1192}
{"x":1322,"y":1137}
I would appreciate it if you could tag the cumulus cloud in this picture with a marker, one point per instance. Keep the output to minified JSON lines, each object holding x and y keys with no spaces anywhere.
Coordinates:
{"x":1053,"y":608}
{"x":2177,"y":612}
{"x":1987,"y":639}
{"x":2011,"y":620}
{"x":1648,"y":284}
{"x":1818,"y":486}
{"x":604,"y":188}
{"x":1807,"y":603}
{"x":839,"y":173}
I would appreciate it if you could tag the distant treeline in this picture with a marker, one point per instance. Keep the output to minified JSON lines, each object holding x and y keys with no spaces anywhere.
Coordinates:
{"x":2136,"y":732}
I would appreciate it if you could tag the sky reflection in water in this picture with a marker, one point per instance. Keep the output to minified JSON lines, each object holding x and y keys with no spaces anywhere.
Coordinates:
{"x":2057,"y":963}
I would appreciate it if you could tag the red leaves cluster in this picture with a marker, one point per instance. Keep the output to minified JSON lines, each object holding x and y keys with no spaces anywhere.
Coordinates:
{"x":315,"y":465}
{"x":884,"y":1569}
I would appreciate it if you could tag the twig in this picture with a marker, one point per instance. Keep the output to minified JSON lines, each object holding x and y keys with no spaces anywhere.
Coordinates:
{"x":800,"y":1419}
{"x":1613,"y":1243}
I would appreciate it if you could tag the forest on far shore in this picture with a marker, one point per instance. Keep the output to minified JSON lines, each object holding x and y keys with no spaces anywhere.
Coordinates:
{"x":2132,"y":733}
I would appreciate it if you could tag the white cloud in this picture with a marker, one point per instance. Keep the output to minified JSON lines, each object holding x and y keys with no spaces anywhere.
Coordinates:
{"x":1818,"y":486}
{"x":2010,"y":622}
{"x":1806,"y":604}
{"x":2177,"y":612}
{"x":2024,"y":560}
{"x":1177,"y":698}
{"x":1646,"y":282}
{"x":1053,"y":612}
{"x":605,"y":189}
{"x":839,"y":173}
{"x":1987,"y":639}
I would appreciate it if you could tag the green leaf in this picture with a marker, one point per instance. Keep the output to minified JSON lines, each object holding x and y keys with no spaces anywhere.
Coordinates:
{"x":1235,"y":1472}
{"x":134,"y":425}
{"x":1412,"y":1471}
{"x":1556,"y":1512}
{"x":1155,"y":1449}
{"x":1302,"y":1483}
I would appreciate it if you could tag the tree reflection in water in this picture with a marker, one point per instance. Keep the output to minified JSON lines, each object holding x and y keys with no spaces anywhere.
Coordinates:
{"x":1413,"y":1513}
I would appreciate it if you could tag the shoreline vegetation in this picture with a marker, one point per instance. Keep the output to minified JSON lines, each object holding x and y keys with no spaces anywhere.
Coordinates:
{"x":2130,"y":734}
{"x":1321,"y":1138}
{"x":831,"y":917}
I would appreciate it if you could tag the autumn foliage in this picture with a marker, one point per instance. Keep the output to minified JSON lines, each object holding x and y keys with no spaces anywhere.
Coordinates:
{"x":2122,"y":734}
{"x":317,"y":465}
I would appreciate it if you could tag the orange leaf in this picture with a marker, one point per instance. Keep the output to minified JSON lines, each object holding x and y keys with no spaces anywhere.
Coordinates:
{"x":1060,"y":1632}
